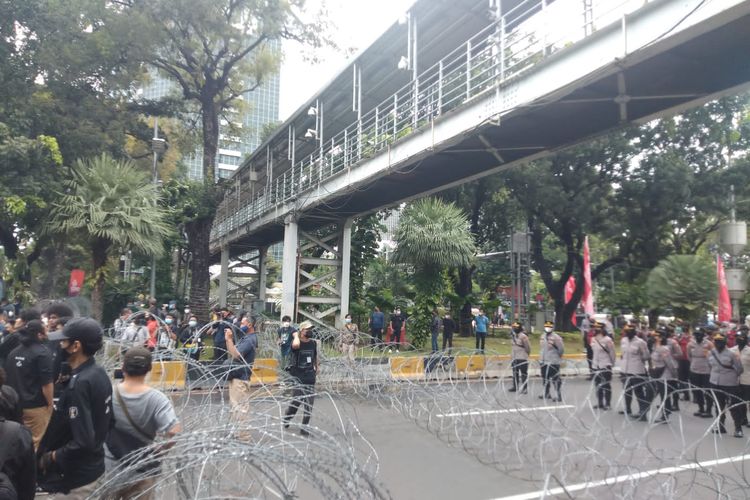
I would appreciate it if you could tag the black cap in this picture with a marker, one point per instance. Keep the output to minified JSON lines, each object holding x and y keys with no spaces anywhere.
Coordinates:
{"x":137,"y":361}
{"x":84,"y":330}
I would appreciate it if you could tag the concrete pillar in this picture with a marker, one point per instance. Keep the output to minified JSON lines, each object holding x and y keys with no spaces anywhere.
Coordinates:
{"x":289,"y":268}
{"x":346,"y":261}
{"x":262,"y":272}
{"x":224,"y":276}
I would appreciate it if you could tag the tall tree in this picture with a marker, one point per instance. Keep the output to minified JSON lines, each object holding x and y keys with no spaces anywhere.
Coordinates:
{"x":109,"y":204}
{"x":216,"y":51}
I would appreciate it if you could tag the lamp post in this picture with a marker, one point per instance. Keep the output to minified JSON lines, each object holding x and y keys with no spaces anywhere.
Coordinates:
{"x":158,"y":146}
{"x":733,"y":238}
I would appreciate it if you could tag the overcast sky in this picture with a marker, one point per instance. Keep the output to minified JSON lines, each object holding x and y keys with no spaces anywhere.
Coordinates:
{"x":358,"y":22}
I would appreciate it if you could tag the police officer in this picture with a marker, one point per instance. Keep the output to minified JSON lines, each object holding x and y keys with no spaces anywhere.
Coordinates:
{"x":726,"y":368}
{"x":697,"y":351}
{"x":550,"y":357}
{"x":663,"y":372}
{"x":634,"y":354}
{"x":602,"y":361}
{"x":74,"y":459}
{"x":520,"y":350}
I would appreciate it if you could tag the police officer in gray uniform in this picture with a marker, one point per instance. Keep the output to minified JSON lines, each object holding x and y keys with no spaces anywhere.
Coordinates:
{"x":520,"y":349}
{"x":602,"y":361}
{"x":697,"y":351}
{"x":726,"y":369}
{"x":663,"y":371}
{"x":550,"y":357}
{"x":634,"y":354}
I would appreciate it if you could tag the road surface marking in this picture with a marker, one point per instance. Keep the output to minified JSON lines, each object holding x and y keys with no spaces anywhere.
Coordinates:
{"x":610,"y":481}
{"x":497,"y":412}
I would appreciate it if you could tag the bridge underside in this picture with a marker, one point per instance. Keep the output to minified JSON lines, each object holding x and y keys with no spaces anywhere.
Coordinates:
{"x":695,"y":71}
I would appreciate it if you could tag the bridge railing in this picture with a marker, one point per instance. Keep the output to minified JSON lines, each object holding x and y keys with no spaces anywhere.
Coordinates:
{"x":510,"y":46}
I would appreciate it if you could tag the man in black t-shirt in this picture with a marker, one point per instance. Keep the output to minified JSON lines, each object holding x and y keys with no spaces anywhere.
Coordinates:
{"x":304,"y":368}
{"x":397,"y":321}
{"x":29,"y":371}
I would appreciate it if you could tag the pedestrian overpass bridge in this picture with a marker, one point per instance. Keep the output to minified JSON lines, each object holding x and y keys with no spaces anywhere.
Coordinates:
{"x":458,"y":90}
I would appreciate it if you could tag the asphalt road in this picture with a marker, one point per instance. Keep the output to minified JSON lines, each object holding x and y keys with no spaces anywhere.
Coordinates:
{"x":474,"y":441}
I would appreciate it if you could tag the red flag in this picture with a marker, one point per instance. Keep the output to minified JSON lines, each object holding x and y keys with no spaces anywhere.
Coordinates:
{"x":76,"y":282}
{"x":725,"y":305}
{"x":587,"y":298}
{"x":570,"y":287}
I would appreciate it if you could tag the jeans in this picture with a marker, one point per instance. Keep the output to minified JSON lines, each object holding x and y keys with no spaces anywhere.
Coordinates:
{"x":434,"y":341}
{"x":481,"y":336}
{"x":302,"y":394}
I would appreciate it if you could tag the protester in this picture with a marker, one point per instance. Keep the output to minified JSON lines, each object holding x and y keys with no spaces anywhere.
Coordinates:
{"x":55,"y":312}
{"x":135,"y":334}
{"x":29,"y":369}
{"x":480,"y":324}
{"x":284,"y":339}
{"x":12,"y":340}
{"x":377,"y":323}
{"x":396,"y":322}
{"x":10,"y":402}
{"x":191,"y":339}
{"x":152,"y":325}
{"x":166,"y":336}
{"x":550,"y":357}
{"x":303,"y":367}
{"x":17,"y":460}
{"x":75,"y":457}
{"x":602,"y":361}
{"x":520,"y":350}
{"x":242,"y":356}
{"x":141,"y":414}
{"x":349,"y":338}
{"x":726,"y":369}
{"x":435,"y":330}
{"x":449,"y":326}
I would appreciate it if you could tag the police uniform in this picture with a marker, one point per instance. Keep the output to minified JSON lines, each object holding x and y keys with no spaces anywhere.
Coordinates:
{"x":602,"y":361}
{"x":520,"y":350}
{"x":550,"y":357}
{"x":634,"y":354}
{"x":697,"y":353}
{"x":726,"y":368}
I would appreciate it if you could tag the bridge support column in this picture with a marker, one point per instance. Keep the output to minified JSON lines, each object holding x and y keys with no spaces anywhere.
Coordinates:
{"x":224,"y":276}
{"x":346,"y":259}
{"x":262,"y":272}
{"x":289,"y":269}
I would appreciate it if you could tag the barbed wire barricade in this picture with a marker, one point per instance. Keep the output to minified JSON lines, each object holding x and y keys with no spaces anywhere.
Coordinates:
{"x":463,"y":398}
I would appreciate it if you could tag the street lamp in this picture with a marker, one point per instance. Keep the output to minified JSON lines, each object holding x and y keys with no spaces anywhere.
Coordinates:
{"x":158,"y":146}
{"x":733,"y":238}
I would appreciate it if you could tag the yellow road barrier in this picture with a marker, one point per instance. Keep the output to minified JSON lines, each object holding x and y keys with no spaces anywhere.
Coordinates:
{"x":407,"y":367}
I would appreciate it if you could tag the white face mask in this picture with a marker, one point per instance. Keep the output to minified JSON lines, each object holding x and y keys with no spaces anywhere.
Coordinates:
{"x":286,"y":324}
{"x":548,"y":330}
{"x":193,"y":323}
{"x":168,"y":321}
{"x":348,"y":320}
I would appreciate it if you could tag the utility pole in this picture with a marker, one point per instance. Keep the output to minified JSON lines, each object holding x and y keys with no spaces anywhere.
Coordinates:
{"x":158,"y":146}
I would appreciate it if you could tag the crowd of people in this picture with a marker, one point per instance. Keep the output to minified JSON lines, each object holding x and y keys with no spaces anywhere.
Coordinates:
{"x":62,"y":420}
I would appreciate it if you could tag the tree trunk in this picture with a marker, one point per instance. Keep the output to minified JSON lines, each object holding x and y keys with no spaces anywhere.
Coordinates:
{"x":99,"y":249}
{"x":210,"y":121}
{"x":199,"y":233}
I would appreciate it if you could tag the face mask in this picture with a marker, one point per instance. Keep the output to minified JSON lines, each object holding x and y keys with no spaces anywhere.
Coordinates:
{"x":631,"y":334}
{"x":193,"y":323}
{"x":398,"y":311}
{"x":741,"y":342}
{"x":720,"y":344}
{"x":286,"y":324}
{"x":548,"y":330}
{"x":348,"y":320}
{"x":45,"y":321}
{"x":168,"y":321}
{"x":244,"y":329}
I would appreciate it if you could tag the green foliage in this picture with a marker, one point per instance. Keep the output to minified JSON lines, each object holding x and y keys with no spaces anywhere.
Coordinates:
{"x":432,"y":236}
{"x":110,"y":200}
{"x":364,"y":249}
{"x":686,"y":283}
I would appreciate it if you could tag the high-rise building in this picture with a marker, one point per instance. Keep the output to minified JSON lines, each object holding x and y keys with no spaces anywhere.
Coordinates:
{"x":261,"y":107}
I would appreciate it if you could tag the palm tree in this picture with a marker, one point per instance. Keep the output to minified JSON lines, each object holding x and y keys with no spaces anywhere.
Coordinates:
{"x":432,"y":236}
{"x":109,"y":203}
